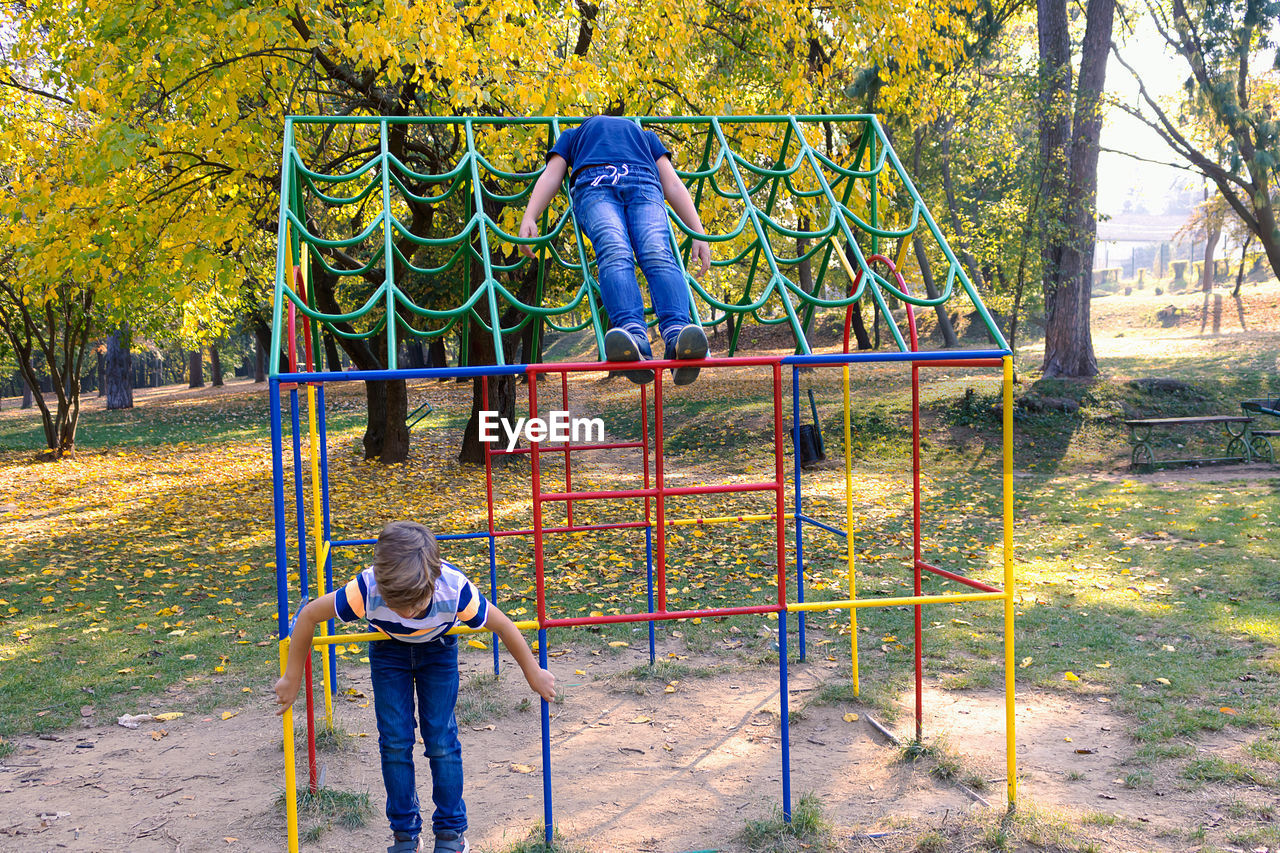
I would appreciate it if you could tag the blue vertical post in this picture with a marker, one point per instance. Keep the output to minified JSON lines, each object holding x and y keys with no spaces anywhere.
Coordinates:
{"x":548,"y":818}
{"x":328,"y":534}
{"x":783,"y":692}
{"x":299,"y":506}
{"x":648,"y":555}
{"x":277,"y":494}
{"x":493,"y":588}
{"x":795,"y":447}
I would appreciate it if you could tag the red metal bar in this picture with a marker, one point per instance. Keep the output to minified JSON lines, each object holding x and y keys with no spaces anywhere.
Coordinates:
{"x":581,"y":528}
{"x":658,"y":454}
{"x":659,"y":491}
{"x":661,"y":615}
{"x":488,"y":458}
{"x":611,"y":446}
{"x":917,"y":546}
{"x":568,"y":476}
{"x":779,"y":489}
{"x":961,"y":362}
{"x":313,"y":768}
{"x":921,"y":564}
{"x":539,"y":557}
{"x":306,"y":322}
{"x":656,"y":365}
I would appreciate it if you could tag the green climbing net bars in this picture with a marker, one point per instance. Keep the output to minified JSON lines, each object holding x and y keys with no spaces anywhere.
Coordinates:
{"x":407,"y":227}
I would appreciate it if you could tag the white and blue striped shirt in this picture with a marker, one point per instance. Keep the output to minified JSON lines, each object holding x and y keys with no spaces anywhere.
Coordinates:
{"x":455,"y":600}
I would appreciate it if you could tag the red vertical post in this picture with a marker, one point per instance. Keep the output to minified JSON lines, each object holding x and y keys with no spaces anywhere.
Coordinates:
{"x":536,"y":485}
{"x":488,"y":456}
{"x":916,"y":544}
{"x":644,"y":440}
{"x":313,"y":769}
{"x":660,"y":483}
{"x":568,"y":476}
{"x":779,"y":486}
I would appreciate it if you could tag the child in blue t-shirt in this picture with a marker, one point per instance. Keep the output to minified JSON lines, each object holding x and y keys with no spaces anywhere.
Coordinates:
{"x":414,"y":598}
{"x":619,"y":177}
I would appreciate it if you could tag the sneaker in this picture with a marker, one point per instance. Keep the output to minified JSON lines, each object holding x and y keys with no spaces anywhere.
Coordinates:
{"x":619,"y":345}
{"x":451,"y":842}
{"x":405,"y":844}
{"x":691,"y":345}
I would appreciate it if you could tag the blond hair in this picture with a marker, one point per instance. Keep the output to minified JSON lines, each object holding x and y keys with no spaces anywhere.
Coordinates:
{"x":406,"y":563}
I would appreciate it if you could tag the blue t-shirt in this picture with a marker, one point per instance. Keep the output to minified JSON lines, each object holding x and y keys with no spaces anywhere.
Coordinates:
{"x":608,"y":140}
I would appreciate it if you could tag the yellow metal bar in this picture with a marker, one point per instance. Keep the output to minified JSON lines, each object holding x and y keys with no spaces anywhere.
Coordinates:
{"x":906,"y":600}
{"x":1011,"y":757}
{"x":290,"y":772}
{"x":722,"y":519}
{"x":369,"y":636}
{"x":317,"y":536}
{"x":848,"y":531}
{"x":902,"y":251}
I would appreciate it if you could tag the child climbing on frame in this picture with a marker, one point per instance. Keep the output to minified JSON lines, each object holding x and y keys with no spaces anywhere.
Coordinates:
{"x":619,"y":178}
{"x":413,"y":597}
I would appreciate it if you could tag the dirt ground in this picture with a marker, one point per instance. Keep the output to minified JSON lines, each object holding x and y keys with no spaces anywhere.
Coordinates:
{"x":634,"y":768}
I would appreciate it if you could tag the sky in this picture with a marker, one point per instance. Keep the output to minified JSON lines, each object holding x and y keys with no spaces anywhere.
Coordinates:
{"x":1121,"y":177}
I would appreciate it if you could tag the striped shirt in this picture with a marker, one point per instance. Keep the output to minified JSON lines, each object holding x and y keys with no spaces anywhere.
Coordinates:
{"x":455,"y":600}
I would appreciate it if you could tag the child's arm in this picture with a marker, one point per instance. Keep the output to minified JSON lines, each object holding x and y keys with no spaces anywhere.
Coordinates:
{"x":677,"y":194}
{"x":321,"y":610}
{"x":543,"y":191}
{"x":542,"y":681}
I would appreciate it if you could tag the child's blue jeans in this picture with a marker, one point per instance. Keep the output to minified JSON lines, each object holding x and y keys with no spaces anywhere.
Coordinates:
{"x":428,"y":672}
{"x":622,"y":211}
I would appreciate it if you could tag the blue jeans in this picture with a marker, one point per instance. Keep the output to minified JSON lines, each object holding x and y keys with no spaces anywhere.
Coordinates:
{"x":428,"y":671}
{"x":622,"y":211}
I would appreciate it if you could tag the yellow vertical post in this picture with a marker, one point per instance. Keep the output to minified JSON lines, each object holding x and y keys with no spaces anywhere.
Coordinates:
{"x":848,"y":534}
{"x":1011,"y":758}
{"x":290,"y":772}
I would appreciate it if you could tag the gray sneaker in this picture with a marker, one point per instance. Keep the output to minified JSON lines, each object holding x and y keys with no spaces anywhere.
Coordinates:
{"x":619,"y":345}
{"x":403,"y":844}
{"x":691,"y":345}
{"x":451,"y":842}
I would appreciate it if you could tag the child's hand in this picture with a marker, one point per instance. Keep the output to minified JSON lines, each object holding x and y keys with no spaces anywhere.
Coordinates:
{"x":701,"y":252}
{"x":286,"y":691}
{"x":528,"y":231}
{"x":543,"y":683}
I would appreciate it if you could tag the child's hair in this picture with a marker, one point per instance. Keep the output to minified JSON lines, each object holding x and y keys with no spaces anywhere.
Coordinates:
{"x":406,"y":563}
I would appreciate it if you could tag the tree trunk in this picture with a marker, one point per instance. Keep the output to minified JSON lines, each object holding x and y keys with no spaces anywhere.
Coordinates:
{"x":195,"y":362}
{"x":28,"y":399}
{"x":436,"y":355}
{"x":1213,"y":230}
{"x":502,"y":397}
{"x":1248,"y":238}
{"x":1069,"y":155}
{"x":215,"y":365}
{"x":101,"y":352}
{"x":119,"y":371}
{"x":331,"y":355}
{"x":386,"y":437}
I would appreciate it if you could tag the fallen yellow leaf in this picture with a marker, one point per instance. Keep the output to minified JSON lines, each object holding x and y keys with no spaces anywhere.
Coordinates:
{"x":226,"y":715}
{"x":851,"y":718}
{"x":620,"y":644}
{"x":477,"y":644}
{"x":1232,"y":711}
{"x":1070,"y":676}
{"x":521,"y":768}
{"x":168,"y":715}
{"x":1163,"y":681}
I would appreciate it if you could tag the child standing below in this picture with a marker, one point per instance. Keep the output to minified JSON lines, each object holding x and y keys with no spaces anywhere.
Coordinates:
{"x":620,"y":177}
{"x":413,"y":597}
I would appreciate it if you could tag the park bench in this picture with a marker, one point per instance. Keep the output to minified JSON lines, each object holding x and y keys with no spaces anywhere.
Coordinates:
{"x":1260,"y":445}
{"x":1236,"y":427}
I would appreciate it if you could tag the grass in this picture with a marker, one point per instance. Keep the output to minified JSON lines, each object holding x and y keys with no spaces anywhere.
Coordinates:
{"x":327,"y":808}
{"x":144,"y":568}
{"x":536,"y":842}
{"x":807,"y":829}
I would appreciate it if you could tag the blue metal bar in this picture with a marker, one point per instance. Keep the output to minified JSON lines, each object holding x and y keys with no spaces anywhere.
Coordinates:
{"x":277,"y":495}
{"x":648,"y":553}
{"x":785,"y":713}
{"x":548,"y":818}
{"x":837,"y":531}
{"x":299,"y":507}
{"x":493,"y":587}
{"x":324,"y":502}
{"x":795,"y":447}
{"x":407,"y":373}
